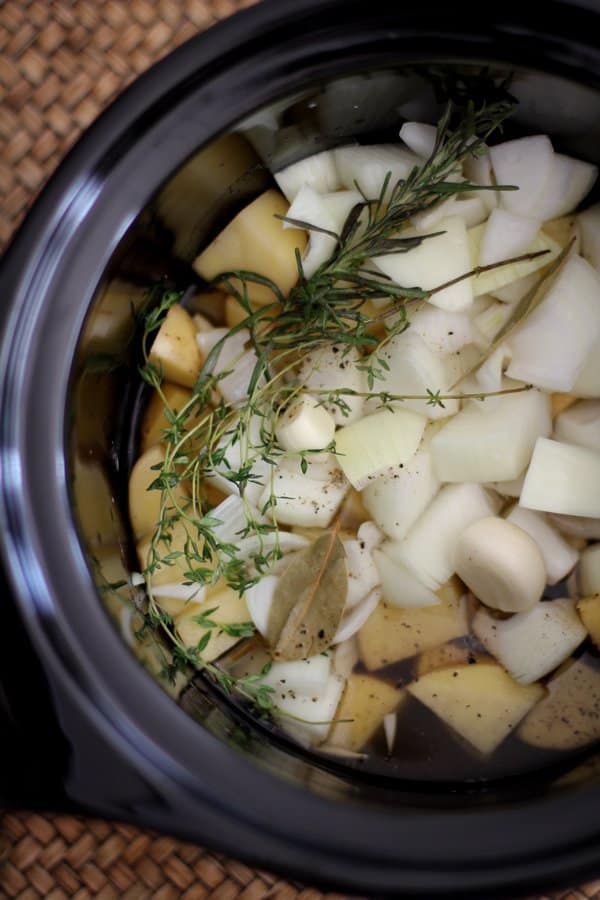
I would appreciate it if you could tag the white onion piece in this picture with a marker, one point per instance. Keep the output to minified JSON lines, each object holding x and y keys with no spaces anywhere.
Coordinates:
{"x":550,"y":348}
{"x":413,"y":369}
{"x":559,"y":556}
{"x":589,"y":223}
{"x":589,"y":571}
{"x":299,"y":677}
{"x":390,"y":723}
{"x":326,"y":211}
{"x":516,"y":290}
{"x":436,"y":261}
{"x":361,"y":570}
{"x":429,"y":548}
{"x":355,"y":618}
{"x":259,"y":600}
{"x":368,"y":167}
{"x":419,"y":137}
{"x":336,"y":368}
{"x":398,"y":586}
{"x":287,"y":542}
{"x":494,"y":443}
{"x":316,"y":713}
{"x":570,"y":180}
{"x":186,"y":592}
{"x":317,"y":171}
{"x":369,"y":535}
{"x":232,"y":514}
{"x":578,"y":526}
{"x":499,"y":277}
{"x":372,"y":446}
{"x":531,"y":644}
{"x":527,"y":164}
{"x":580,"y":424}
{"x":136,"y":579}
{"x":506,"y":235}
{"x":345,"y":657}
{"x":510,"y":488}
{"x":300,"y":500}
{"x":396,"y":501}
{"x":478,"y":170}
{"x":563,"y":478}
{"x":233,"y":358}
{"x":442,"y":331}
{"x":488,"y":323}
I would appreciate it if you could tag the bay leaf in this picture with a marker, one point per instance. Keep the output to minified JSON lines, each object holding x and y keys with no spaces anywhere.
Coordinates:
{"x":309,"y":600}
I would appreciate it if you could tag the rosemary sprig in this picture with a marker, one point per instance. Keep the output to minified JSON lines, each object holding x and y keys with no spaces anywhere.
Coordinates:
{"x":235,"y":443}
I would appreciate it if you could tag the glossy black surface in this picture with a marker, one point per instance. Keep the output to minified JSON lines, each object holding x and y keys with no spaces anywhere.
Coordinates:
{"x":116,"y":743}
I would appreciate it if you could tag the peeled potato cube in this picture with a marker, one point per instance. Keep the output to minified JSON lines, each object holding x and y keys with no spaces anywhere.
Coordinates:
{"x":365,"y":702}
{"x":155,"y":421}
{"x":501,"y":564}
{"x":144,"y":502}
{"x":229,"y":609}
{"x":533,"y":643}
{"x":569,"y":717}
{"x":175,"y":349}
{"x":256,"y":241}
{"x":391,"y":634}
{"x":481,"y":702}
{"x":451,"y":654}
{"x":589,"y":612}
{"x":171,"y":565}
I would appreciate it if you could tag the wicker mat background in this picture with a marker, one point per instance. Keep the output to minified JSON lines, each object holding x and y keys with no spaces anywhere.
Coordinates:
{"x":61,"y":63}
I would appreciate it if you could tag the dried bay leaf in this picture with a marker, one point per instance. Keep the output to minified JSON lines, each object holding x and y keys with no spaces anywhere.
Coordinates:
{"x":309,"y":600}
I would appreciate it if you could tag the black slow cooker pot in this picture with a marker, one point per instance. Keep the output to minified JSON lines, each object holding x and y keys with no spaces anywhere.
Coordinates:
{"x":85,"y":726}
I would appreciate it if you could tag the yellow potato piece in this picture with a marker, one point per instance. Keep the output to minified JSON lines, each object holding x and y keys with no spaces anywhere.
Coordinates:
{"x":447,"y":655}
{"x":391,"y":634}
{"x":94,"y":500}
{"x":366,"y":700}
{"x":569,"y":717}
{"x":353,"y":511}
{"x":482,"y":703}
{"x":175,"y":349}
{"x":229,"y":608}
{"x":154,"y":421}
{"x":559,"y":402}
{"x":589,"y":612}
{"x":144,"y":504}
{"x":256,"y":241}
{"x":171,"y":571}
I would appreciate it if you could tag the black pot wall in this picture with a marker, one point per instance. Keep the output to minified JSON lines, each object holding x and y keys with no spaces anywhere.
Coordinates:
{"x":116,"y":743}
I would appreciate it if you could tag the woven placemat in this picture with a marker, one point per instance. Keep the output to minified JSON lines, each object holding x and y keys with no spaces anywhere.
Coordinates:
{"x":61,"y":63}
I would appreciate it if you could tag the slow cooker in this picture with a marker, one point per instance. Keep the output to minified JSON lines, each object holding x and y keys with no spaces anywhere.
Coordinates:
{"x":85,"y":726}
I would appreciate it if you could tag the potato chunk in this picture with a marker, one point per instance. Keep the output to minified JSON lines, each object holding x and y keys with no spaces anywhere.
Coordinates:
{"x":589,"y":613}
{"x":256,"y":241}
{"x":366,"y":700}
{"x":229,"y":608}
{"x":155,"y":422}
{"x":144,"y":502}
{"x":391,"y":634}
{"x":175,"y":349}
{"x":481,"y":703}
{"x":569,"y":717}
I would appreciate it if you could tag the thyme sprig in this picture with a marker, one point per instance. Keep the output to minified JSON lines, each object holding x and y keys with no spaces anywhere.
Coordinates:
{"x":233,"y":444}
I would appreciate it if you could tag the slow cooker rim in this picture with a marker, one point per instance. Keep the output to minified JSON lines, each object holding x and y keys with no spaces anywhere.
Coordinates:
{"x":77,"y":163}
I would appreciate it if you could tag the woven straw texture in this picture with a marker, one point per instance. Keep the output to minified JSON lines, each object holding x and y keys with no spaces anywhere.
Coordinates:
{"x":61,"y":63}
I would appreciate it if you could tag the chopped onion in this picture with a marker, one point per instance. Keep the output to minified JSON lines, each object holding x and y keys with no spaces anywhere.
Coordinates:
{"x":325,"y":211}
{"x":589,"y":222}
{"x":419,"y":137}
{"x":318,"y":172}
{"x":345,"y":657}
{"x":559,"y":556}
{"x":589,"y":571}
{"x":372,"y":446}
{"x":478,"y":170}
{"x":390,"y":723}
{"x":526,"y":163}
{"x":369,"y":535}
{"x":299,"y":677}
{"x":287,"y":542}
{"x":362,"y":572}
{"x":563,"y":478}
{"x":299,"y":500}
{"x":569,"y":181}
{"x":531,"y":644}
{"x":186,"y":592}
{"x":505,"y":236}
{"x":332,"y":369}
{"x":580,"y":424}
{"x":355,"y":618}
{"x":490,"y":282}
{"x":368,"y":167}
{"x":259,"y":600}
{"x":442,"y":331}
{"x":585,"y":528}
{"x":398,"y":586}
